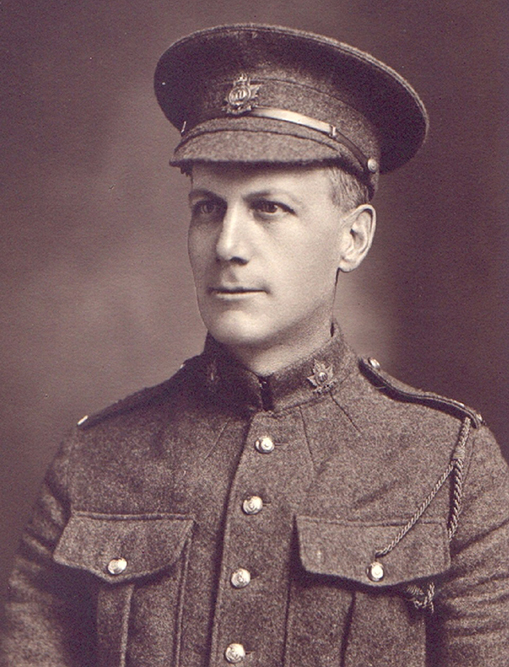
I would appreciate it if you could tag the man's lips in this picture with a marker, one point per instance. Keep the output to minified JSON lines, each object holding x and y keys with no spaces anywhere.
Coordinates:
{"x":233,"y":289}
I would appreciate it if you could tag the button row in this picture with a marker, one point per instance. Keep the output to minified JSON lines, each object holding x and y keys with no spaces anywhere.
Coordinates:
{"x":235,"y":653}
{"x":240,"y":578}
{"x":264,"y":445}
{"x":252,"y":505}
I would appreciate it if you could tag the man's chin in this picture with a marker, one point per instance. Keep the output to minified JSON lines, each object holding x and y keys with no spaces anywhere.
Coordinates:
{"x":236,"y":330}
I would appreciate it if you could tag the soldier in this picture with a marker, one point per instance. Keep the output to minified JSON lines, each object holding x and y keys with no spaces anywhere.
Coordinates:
{"x":278,"y":502}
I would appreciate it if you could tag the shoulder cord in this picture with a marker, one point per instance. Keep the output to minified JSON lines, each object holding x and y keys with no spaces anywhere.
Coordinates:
{"x":423,"y":598}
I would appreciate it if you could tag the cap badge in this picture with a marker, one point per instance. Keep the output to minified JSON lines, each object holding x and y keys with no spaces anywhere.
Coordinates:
{"x":322,"y":378}
{"x":242,"y":96}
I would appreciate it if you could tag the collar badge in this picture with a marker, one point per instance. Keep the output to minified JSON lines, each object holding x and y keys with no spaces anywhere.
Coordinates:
{"x":322,"y":378}
{"x":242,"y":97}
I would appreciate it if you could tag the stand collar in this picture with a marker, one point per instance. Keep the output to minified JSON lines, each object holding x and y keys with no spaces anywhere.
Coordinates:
{"x":227,"y":381}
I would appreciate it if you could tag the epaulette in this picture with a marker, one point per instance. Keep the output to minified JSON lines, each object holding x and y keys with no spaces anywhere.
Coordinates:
{"x":403,"y":392}
{"x":147,"y":396}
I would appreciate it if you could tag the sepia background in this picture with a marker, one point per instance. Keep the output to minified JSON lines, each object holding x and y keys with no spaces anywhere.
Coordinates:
{"x":96,"y":299}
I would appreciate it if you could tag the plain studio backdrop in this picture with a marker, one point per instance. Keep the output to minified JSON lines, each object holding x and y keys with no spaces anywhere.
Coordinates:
{"x":96,"y":294}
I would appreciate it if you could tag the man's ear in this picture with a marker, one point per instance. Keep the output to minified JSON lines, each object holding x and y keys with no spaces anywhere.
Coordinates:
{"x":358,"y":229}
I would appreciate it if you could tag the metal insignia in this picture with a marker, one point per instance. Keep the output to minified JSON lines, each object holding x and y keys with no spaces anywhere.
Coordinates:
{"x":242,"y":97}
{"x":322,"y":378}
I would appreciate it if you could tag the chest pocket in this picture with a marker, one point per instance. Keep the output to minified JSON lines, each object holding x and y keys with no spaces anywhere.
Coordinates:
{"x":124,"y":553}
{"x":347,"y":550}
{"x":349,"y":604}
{"x":120,"y":548}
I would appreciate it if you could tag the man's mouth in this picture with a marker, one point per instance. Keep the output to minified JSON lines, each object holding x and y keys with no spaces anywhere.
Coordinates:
{"x":233,"y":290}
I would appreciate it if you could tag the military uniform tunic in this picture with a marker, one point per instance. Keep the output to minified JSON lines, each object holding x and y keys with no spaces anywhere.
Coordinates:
{"x":324,"y":515}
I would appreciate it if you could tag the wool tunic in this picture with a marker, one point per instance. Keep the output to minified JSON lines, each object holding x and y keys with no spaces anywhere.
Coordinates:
{"x":326,"y":515}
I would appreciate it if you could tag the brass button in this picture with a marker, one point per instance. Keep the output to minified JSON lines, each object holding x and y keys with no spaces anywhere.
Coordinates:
{"x":264,"y":445}
{"x":376,"y":571}
{"x":117,"y":565}
{"x":252,"y":505}
{"x":240,"y":578}
{"x":374,"y":363}
{"x":235,"y":653}
{"x":372,"y":165}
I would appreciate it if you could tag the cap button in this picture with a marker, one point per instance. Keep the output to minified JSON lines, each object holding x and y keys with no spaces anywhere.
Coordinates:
{"x":235,"y":653}
{"x":117,"y":566}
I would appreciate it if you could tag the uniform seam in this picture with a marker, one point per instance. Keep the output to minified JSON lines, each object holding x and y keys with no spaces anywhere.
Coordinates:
{"x":347,"y":629}
{"x":304,"y":427}
{"x":125,"y":625}
{"x":70,"y":477}
{"x":313,"y":400}
{"x":470,"y":446}
{"x":393,"y":522}
{"x":343,"y":410}
{"x":181,"y":600}
{"x":216,"y":441}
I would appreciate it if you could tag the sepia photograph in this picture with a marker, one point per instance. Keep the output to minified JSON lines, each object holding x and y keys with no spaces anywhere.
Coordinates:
{"x":254,"y":334}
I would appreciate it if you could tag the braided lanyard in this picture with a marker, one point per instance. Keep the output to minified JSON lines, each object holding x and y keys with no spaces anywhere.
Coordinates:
{"x":423,"y":599}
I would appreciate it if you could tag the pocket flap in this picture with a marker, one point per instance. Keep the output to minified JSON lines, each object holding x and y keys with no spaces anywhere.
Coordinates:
{"x":119,"y":548}
{"x":347,"y":550}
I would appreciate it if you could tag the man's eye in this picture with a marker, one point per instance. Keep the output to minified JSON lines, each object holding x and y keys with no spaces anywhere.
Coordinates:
{"x":205,"y":209}
{"x":271,"y":208}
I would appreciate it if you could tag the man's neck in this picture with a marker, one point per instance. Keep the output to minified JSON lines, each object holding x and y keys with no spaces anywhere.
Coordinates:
{"x":266,"y":361}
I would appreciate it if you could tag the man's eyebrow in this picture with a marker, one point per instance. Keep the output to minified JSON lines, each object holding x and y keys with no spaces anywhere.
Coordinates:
{"x":268,"y":193}
{"x":202,"y":192}
{"x":274,"y":193}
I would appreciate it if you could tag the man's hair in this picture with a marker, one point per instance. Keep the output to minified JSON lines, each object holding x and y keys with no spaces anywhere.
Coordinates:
{"x":347,"y":190}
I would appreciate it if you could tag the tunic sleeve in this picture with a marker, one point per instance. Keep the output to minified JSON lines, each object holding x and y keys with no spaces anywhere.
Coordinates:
{"x":471,"y":623}
{"x":50,"y":609}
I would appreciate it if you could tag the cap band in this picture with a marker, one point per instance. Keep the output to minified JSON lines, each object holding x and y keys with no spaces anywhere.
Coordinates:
{"x":370,"y":165}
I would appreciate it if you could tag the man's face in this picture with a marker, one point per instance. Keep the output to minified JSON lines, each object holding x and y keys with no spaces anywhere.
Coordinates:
{"x":264,"y":246}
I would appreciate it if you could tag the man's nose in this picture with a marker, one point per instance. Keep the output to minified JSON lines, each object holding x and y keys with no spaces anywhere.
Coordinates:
{"x":233,"y":239}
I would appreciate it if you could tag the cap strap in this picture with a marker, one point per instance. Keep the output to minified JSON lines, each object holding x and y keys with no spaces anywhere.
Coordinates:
{"x":368,"y":164}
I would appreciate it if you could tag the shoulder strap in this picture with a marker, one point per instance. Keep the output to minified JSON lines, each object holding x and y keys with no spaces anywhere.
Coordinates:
{"x":403,"y":392}
{"x":150,"y":395}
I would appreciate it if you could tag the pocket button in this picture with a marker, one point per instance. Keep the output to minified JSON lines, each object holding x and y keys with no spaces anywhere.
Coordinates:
{"x":376,"y":571}
{"x":117,"y":566}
